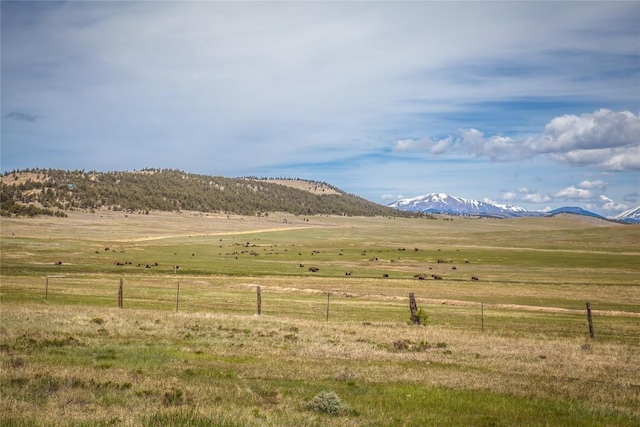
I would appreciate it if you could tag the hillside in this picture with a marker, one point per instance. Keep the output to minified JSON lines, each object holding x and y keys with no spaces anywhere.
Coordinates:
{"x":52,"y":191}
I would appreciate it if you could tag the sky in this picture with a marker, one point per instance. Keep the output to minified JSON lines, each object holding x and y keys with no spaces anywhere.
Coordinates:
{"x":534,"y":104}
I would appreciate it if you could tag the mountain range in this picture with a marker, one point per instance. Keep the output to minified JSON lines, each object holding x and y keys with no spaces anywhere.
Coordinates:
{"x":442,"y":203}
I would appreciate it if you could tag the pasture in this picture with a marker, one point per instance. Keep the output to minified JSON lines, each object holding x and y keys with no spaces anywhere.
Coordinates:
{"x":188,"y":348}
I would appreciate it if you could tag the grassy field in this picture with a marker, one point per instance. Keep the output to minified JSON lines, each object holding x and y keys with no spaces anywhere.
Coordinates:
{"x":332,"y":347}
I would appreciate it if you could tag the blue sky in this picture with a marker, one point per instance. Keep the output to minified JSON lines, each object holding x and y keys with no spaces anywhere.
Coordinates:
{"x":535,"y":104}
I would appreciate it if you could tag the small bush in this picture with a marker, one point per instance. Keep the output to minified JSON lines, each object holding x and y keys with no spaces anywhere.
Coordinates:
{"x":327,"y":402}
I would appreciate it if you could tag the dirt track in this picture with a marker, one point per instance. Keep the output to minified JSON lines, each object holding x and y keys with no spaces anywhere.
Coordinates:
{"x":225,"y":233}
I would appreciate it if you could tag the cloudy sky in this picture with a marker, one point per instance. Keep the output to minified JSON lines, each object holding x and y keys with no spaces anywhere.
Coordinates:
{"x":533,"y":104}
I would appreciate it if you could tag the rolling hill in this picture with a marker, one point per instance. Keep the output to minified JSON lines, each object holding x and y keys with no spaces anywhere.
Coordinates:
{"x":53,"y":191}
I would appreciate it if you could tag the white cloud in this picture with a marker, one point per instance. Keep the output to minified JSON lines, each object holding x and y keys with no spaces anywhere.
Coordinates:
{"x":390,"y":198}
{"x":590,"y":131}
{"x":536,"y":198}
{"x":508,"y":196}
{"x":424,"y":144}
{"x":605,"y":139}
{"x":573,"y":193}
{"x":592,"y":185}
{"x":609,"y":205}
{"x":495,"y":147}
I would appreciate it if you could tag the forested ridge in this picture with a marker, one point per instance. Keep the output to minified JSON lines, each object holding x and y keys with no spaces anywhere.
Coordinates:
{"x":54,"y":191}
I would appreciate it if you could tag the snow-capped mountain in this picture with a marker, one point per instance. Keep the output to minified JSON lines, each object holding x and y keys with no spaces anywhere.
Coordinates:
{"x":631,"y":215}
{"x":444,"y":203}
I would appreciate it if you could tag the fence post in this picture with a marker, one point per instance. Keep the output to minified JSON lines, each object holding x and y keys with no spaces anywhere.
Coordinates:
{"x":259,"y":297}
{"x":120,"y":294}
{"x":328,"y":296}
{"x":46,"y":285}
{"x":177,"y":296}
{"x":590,"y":319}
{"x":413,"y":308}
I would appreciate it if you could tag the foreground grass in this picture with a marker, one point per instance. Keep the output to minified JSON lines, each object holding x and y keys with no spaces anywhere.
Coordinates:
{"x":98,"y":366}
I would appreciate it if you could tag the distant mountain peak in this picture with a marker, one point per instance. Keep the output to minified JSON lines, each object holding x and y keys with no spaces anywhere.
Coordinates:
{"x":447,"y":204}
{"x":631,"y":215}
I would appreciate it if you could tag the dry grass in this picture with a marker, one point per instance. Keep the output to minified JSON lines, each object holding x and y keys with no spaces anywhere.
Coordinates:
{"x":312,"y":187}
{"x":139,"y":359}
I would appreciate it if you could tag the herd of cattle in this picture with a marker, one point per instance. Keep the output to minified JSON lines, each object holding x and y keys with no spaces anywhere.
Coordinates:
{"x":312,"y":269}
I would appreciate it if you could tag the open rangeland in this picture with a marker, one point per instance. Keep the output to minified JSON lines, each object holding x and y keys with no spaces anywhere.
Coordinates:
{"x":506,"y":340}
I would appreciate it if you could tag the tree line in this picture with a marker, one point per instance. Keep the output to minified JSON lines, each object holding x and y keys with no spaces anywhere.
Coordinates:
{"x":53,"y":191}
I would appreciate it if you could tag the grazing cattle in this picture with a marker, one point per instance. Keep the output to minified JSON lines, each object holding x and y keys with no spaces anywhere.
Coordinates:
{"x":314,"y":269}
{"x":454,"y":268}
{"x":436,"y":277}
{"x":348,"y":273}
{"x":385,"y":275}
{"x":475,"y":278}
{"x":59,"y":263}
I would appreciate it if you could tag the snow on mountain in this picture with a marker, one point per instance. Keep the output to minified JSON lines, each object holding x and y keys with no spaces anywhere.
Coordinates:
{"x":447,"y":204}
{"x":442,"y":203}
{"x":632,"y":215}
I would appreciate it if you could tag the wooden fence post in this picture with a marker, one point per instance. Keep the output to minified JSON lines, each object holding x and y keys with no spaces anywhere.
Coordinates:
{"x":177,"y":296}
{"x":46,"y":285}
{"x":259,"y":296}
{"x":413,"y":308}
{"x":120,"y":294}
{"x":590,"y":319}
{"x":328,"y":296}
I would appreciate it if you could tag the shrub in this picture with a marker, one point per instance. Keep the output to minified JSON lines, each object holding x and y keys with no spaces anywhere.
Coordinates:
{"x":422,"y":316}
{"x":327,"y":402}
